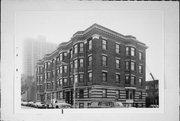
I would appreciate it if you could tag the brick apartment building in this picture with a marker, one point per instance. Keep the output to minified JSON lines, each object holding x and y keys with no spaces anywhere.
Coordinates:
{"x":105,"y":66}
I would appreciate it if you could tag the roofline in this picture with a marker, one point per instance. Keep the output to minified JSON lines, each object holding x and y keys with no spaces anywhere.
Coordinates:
{"x":81,"y":33}
{"x":105,"y":29}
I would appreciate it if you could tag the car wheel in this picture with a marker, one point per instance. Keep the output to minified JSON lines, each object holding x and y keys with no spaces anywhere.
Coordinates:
{"x":57,"y":106}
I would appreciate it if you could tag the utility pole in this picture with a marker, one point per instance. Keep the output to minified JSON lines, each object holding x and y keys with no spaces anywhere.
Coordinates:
{"x":75,"y":81}
{"x":74,"y":102}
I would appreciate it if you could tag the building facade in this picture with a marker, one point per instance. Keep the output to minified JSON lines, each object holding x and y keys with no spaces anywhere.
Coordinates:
{"x":97,"y":64}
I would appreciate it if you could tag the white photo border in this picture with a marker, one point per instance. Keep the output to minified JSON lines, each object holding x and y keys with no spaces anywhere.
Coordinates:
{"x":18,"y":112}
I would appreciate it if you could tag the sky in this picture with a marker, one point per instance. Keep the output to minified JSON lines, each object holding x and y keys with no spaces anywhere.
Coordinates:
{"x":59,"y":26}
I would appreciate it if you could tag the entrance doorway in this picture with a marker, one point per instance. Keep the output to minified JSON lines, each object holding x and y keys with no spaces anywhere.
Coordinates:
{"x":69,"y":97}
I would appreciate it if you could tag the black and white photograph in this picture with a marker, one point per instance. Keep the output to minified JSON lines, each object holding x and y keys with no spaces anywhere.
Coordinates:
{"x":91,"y":68}
{"x":77,"y":58}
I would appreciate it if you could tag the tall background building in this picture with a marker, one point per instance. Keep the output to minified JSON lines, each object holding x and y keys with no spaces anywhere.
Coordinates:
{"x":33,"y":49}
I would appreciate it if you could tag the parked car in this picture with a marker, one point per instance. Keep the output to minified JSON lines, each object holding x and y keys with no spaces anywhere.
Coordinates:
{"x":106,"y":104}
{"x":50,"y":105}
{"x":39,"y":105}
{"x":154,"y":106}
{"x":31,"y":104}
{"x":24,"y":103}
{"x":60,"y":104}
{"x":118,"y":105}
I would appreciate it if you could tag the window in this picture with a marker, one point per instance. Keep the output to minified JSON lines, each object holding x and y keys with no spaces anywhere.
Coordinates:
{"x":132,"y":51}
{"x":41,"y":69}
{"x":133,"y":81}
{"x":58,"y":72}
{"x":147,"y":87}
{"x":118,"y":64}
{"x":127,"y":51}
{"x":60,"y":82}
{"x":45,"y":75}
{"x":71,"y":67}
{"x":81,"y":93}
{"x":140,"y":81}
{"x":117,"y":48}
{"x":90,"y":76}
{"x":37,"y":87}
{"x":48,"y":85}
{"x":104,"y":44}
{"x":48,"y":75}
{"x":104,"y":76}
{"x":81,"y":105}
{"x":81,"y":47}
{"x":81,"y":77}
{"x":71,"y":80}
{"x":104,"y":60}
{"x":88,"y":92}
{"x":132,"y":66}
{"x":126,"y":79}
{"x":52,"y":85}
{"x":60,"y":69}
{"x":64,"y":69}
{"x":41,"y":87}
{"x":105,"y":93}
{"x":90,"y":44}
{"x":40,"y":79}
{"x":140,"y":55}
{"x":47,"y":65}
{"x":90,"y":61}
{"x":75,"y":49}
{"x":53,"y":62}
{"x":156,"y":86}
{"x":81,"y":62}
{"x":75,"y":79}
{"x":53,"y":73}
{"x":140,"y":95}
{"x":57,"y":59}
{"x":37,"y":69}
{"x":75,"y":64}
{"x":64,"y":55}
{"x":60,"y":57}
{"x":127,"y":65}
{"x":70,"y":53}
{"x":38,"y":96}
{"x":48,"y":96}
{"x":118,"y":78}
{"x":65,"y":81}
{"x":57,"y":83}
{"x":140,"y":69}
{"x":61,"y":95}
{"x":117,"y":94}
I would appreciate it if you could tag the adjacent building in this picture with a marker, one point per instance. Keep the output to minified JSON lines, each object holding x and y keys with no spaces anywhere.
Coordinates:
{"x":33,"y":50}
{"x":97,"y":64}
{"x":152,"y":90}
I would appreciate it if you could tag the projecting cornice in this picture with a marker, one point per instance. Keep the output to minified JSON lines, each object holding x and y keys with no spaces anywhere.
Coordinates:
{"x":104,"y":29}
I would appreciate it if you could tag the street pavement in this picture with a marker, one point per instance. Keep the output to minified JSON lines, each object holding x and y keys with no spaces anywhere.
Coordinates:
{"x":27,"y":107}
